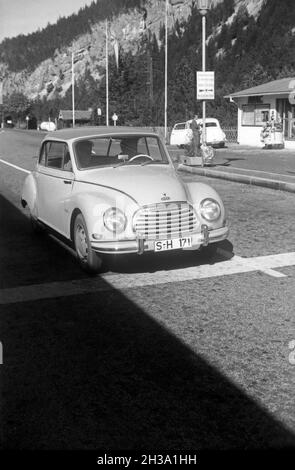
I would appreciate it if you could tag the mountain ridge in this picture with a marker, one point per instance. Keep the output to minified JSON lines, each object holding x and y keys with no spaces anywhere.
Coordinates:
{"x":136,"y":31}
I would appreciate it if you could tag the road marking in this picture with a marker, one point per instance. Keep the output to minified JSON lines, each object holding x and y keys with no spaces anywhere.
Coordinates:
{"x":120,"y":282}
{"x":14,"y":166}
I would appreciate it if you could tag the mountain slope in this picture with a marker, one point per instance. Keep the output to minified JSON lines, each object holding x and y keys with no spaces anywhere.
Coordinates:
{"x":248,"y":42}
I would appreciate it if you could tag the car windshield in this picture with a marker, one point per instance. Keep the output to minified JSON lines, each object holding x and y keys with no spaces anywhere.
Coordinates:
{"x":179,"y":126}
{"x":106,"y":151}
{"x":211,"y":124}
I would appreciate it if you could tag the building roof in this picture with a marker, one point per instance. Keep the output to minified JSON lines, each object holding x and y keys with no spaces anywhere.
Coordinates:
{"x":80,"y":115}
{"x":276,"y":87}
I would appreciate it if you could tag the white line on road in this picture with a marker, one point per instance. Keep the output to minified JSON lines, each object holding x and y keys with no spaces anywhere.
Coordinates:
{"x":120,"y":282}
{"x":14,"y":166}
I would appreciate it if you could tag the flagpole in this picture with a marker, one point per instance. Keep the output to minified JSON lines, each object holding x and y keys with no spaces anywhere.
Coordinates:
{"x":107,"y":76}
{"x":73,"y":91}
{"x":166,"y":68}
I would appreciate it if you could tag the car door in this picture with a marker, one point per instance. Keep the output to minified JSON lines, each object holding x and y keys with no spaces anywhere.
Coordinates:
{"x":54,"y":184}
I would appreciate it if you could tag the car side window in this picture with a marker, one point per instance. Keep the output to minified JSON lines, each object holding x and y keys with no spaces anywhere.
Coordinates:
{"x":55,"y":155}
{"x":67,"y":165}
{"x":42,"y":158}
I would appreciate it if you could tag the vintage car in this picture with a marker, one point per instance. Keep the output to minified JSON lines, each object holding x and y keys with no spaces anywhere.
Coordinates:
{"x":181,"y":133}
{"x":111,"y":190}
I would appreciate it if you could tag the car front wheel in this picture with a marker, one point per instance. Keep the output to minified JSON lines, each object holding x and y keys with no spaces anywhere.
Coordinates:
{"x":87,"y":258}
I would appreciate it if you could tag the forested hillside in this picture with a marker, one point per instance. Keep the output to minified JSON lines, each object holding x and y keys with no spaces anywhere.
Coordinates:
{"x":242,"y":49}
{"x":27,"y":51}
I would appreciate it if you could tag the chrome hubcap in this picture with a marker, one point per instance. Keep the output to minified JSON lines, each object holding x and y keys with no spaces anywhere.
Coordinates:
{"x":81,"y":242}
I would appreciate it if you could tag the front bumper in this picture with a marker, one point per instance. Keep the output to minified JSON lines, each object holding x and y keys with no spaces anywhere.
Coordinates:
{"x":140,"y":245}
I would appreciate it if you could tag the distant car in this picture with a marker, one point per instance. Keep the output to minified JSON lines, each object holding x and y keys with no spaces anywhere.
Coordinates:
{"x":9,"y":123}
{"x":110,"y":191}
{"x":47,"y":126}
{"x":215,"y":136}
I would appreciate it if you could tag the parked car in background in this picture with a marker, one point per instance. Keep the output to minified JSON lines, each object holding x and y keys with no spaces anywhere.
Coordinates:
{"x":110,"y":191}
{"x":47,"y":126}
{"x":215,"y":136}
{"x":8,"y":122}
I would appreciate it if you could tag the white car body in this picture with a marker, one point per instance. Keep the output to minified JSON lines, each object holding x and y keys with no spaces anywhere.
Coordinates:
{"x":214,"y":134}
{"x":47,"y":126}
{"x":124,"y":204}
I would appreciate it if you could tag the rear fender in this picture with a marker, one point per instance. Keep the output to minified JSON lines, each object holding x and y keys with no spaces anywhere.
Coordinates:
{"x":29,"y":194}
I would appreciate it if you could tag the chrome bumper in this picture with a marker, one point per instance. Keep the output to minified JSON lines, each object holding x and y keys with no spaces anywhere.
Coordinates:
{"x":139,"y":245}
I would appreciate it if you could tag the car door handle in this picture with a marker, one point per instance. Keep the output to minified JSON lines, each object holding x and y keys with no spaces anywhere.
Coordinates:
{"x":67,"y":182}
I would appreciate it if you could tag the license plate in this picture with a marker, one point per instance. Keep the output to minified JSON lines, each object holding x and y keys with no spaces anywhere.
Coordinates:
{"x":173,"y":244}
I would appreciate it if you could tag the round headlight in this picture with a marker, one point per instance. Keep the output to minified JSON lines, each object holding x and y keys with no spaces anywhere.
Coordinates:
{"x":114,"y":220}
{"x":210,"y":209}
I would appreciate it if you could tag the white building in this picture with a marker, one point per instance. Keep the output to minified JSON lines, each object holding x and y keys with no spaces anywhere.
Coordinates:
{"x":259,"y":104}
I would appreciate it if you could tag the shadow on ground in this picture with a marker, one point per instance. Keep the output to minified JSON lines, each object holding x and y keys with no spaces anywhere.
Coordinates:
{"x":38,"y":258}
{"x":96,"y":372}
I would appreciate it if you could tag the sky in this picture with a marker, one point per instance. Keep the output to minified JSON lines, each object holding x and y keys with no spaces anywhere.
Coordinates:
{"x":26,"y":16}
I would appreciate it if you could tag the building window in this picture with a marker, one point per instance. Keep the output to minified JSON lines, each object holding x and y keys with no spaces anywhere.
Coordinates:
{"x":255,"y":100}
{"x":255,"y":114}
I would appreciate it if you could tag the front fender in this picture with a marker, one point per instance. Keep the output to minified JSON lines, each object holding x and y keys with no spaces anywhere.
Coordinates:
{"x":93,"y":205}
{"x":199,"y":191}
{"x":29,"y":194}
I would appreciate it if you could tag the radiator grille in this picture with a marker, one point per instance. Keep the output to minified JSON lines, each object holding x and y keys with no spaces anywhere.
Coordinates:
{"x":164,"y":221}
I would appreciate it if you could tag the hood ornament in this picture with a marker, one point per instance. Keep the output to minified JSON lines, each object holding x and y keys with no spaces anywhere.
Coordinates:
{"x":165,"y":197}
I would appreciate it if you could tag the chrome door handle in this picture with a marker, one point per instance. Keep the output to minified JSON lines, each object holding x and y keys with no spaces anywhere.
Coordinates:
{"x":67,"y":182}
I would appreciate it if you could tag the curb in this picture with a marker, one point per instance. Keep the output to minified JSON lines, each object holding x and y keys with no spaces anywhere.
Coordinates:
{"x":239,"y":178}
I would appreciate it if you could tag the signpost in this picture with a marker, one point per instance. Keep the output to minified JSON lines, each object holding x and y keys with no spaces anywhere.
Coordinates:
{"x":205,"y":85}
{"x":99,"y":115}
{"x":115,"y":119}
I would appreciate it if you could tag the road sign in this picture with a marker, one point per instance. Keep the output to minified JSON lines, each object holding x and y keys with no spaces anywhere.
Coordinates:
{"x":205,"y":86}
{"x":115,"y":118}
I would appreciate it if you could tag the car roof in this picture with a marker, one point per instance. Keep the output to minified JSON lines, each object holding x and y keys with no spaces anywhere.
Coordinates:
{"x":80,"y":132}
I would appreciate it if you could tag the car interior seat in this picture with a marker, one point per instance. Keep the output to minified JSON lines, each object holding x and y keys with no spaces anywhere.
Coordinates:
{"x":83,"y":151}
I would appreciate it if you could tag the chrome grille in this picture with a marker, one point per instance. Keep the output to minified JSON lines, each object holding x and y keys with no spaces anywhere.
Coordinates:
{"x":166,"y":220}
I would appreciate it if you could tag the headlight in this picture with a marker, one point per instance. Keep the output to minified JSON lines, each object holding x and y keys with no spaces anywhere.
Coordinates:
{"x":114,"y":220}
{"x":210,"y":209}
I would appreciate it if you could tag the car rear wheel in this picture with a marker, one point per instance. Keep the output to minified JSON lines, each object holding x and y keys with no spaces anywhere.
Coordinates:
{"x":87,"y":258}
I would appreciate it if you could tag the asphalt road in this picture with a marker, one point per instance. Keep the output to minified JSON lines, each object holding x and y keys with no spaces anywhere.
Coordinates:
{"x":162,"y":352}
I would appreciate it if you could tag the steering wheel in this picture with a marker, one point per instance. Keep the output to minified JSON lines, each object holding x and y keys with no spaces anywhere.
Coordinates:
{"x":140,"y":155}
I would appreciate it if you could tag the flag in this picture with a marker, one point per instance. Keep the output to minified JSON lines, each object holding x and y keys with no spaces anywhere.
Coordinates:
{"x":115,"y":44}
{"x":116,"y":51}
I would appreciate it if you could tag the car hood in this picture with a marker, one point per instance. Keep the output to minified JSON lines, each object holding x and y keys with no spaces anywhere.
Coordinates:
{"x":145,"y":185}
